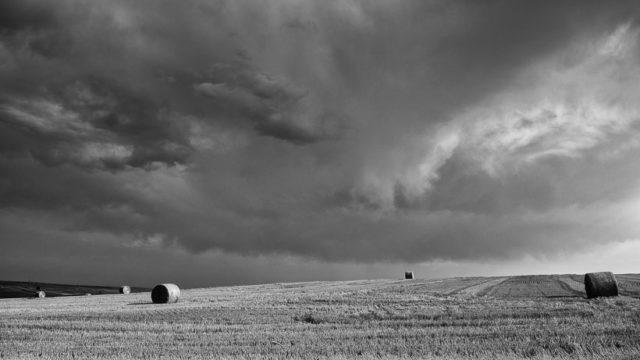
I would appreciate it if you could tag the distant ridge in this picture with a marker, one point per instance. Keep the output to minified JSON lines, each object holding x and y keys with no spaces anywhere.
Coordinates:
{"x":19,"y":289}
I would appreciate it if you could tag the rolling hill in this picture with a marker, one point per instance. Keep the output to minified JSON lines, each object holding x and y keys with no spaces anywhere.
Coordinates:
{"x":21,"y":289}
{"x":523,"y":317}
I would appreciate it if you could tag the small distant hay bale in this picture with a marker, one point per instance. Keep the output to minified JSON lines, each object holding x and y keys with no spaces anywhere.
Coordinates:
{"x":125,"y":290}
{"x":600,"y":284}
{"x":408,"y":275}
{"x":87,"y":294}
{"x":165,"y":294}
{"x":40,"y":294}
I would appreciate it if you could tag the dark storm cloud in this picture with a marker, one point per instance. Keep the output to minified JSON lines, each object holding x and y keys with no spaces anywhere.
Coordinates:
{"x":101,"y":87}
{"x":26,"y":14}
{"x":89,"y":129}
{"x":348,"y":130}
{"x":277,"y":109}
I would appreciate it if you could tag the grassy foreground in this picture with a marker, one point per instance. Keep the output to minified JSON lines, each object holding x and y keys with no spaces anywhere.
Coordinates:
{"x":533,"y":317}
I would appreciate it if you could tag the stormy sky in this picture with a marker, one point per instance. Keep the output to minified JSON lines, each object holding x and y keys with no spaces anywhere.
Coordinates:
{"x":211,"y":142}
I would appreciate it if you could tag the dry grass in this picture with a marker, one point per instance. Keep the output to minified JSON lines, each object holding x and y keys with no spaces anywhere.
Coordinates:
{"x":384,"y":319}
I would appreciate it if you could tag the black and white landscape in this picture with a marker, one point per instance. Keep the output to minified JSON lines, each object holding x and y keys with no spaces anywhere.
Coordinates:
{"x":232,"y":142}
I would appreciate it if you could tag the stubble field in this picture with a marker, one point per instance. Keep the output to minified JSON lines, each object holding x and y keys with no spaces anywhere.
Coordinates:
{"x":526,"y":317}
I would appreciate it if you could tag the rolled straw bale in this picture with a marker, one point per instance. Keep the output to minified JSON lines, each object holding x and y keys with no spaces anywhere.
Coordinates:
{"x":40,"y":294}
{"x":408,"y":275}
{"x":165,"y":293}
{"x":600,"y":284}
{"x":125,"y":290}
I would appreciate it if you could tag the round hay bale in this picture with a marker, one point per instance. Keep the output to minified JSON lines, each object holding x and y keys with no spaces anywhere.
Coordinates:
{"x":40,"y":294}
{"x":125,"y":290}
{"x":165,"y":293}
{"x":408,"y":275}
{"x":600,"y":284}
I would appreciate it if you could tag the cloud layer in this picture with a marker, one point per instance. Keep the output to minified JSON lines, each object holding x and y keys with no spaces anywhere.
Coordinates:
{"x":344,"y":131}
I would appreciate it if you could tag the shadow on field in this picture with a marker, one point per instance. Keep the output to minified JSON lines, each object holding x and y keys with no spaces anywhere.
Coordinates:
{"x":565,"y":296}
{"x":142,"y":303}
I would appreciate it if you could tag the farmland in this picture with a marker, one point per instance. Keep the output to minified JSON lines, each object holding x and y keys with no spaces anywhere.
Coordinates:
{"x":20,"y":289}
{"x":524,"y":317}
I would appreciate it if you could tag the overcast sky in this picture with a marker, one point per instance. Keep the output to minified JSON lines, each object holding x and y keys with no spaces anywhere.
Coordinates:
{"x":233,"y":142}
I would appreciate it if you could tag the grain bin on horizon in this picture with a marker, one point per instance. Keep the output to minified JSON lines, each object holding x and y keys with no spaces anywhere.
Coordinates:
{"x":408,"y":275}
{"x":165,"y":293}
{"x":40,"y":294}
{"x":600,"y":284}
{"x":125,"y":290}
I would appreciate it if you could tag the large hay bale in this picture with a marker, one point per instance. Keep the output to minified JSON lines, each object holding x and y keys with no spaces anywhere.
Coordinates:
{"x":408,"y":275}
{"x":125,"y":290}
{"x":165,"y":293}
{"x":40,"y":294}
{"x":600,"y":284}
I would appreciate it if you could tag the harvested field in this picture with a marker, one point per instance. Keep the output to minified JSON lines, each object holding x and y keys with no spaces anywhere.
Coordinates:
{"x":629,"y":284}
{"x":18,"y":289}
{"x":479,"y":318}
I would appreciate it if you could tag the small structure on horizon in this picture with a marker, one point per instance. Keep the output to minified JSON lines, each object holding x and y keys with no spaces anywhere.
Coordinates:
{"x":600,"y":284}
{"x":408,"y":275}
{"x":40,"y":294}
{"x":165,"y":293}
{"x":125,"y":290}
